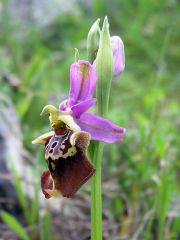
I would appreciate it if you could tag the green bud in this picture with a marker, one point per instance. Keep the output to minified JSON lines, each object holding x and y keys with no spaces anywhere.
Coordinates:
{"x":104,"y":69}
{"x":93,"y":41}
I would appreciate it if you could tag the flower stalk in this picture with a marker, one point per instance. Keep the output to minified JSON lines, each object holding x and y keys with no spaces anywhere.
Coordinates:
{"x":104,"y":69}
{"x":96,"y":194}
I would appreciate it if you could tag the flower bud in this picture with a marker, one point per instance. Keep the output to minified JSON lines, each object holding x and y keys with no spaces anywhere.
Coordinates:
{"x":93,"y":41}
{"x":104,"y":68}
{"x":118,"y":55}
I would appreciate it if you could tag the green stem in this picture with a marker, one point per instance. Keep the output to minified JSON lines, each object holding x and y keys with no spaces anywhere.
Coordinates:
{"x":105,"y":70}
{"x":96,"y":195}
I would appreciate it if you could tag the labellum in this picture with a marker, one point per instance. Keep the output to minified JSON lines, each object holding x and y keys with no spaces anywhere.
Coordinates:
{"x":65,"y":154}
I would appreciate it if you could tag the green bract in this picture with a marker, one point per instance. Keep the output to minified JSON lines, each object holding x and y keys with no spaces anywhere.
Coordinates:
{"x":104,"y":68}
{"x":93,"y":41}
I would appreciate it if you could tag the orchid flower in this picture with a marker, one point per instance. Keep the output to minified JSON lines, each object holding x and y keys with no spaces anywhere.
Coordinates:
{"x":65,"y":154}
{"x":82,"y":84}
{"x":73,"y":127}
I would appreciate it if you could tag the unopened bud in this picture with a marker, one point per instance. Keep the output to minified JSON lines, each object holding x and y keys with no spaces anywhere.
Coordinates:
{"x":118,"y":55}
{"x":93,"y":41}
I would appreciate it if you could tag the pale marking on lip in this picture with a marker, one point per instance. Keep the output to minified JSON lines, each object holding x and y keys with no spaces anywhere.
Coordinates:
{"x":53,"y":156}
{"x":71,"y":152}
{"x":53,"y":166}
{"x":63,"y":147}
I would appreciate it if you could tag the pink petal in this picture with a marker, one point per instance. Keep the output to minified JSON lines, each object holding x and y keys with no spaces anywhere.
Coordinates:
{"x":80,"y":108}
{"x":82,"y":82}
{"x":100,"y":128}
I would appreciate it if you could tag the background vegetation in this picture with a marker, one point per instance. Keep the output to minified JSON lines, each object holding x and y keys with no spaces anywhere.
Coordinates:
{"x":141,"y":184}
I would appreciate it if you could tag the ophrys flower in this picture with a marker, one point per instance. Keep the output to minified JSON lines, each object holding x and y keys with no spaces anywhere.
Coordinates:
{"x":65,"y":154}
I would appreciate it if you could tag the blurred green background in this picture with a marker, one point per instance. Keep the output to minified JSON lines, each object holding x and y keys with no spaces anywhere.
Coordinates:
{"x":141,"y":175}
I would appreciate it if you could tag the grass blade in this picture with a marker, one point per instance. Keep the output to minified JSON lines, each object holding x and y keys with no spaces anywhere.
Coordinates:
{"x":14,"y":225}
